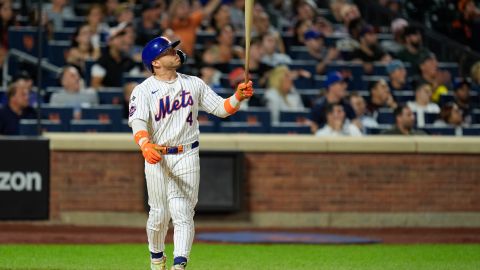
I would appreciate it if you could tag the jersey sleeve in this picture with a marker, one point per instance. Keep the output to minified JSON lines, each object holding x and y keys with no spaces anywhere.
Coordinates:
{"x":208,"y":100}
{"x":138,"y":107}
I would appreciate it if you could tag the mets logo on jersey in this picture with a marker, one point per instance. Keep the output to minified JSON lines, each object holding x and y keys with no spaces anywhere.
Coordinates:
{"x":165,"y":107}
{"x":132,"y":110}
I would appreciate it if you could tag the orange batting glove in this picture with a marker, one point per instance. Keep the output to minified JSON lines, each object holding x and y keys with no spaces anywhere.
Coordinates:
{"x":244,"y":91}
{"x":149,"y":150}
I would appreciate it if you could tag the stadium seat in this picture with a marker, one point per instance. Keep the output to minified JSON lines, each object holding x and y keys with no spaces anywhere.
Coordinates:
{"x":355,"y":69}
{"x":290,"y":128}
{"x":253,"y":115}
{"x":476,"y":116}
{"x":90,"y":125}
{"x":25,"y":39}
{"x":439,"y":131}
{"x":308,"y":65}
{"x":299,"y":53}
{"x":111,"y":95}
{"x":105,"y":114}
{"x":444,"y":99}
{"x":65,"y":34}
{"x":125,"y":127}
{"x":385,"y":116}
{"x":58,"y":114}
{"x":207,"y":127}
{"x":209,"y":121}
{"x":450,"y":67}
{"x":30,"y":126}
{"x":430,"y":117}
{"x":474,"y":130}
{"x":295,"y":117}
{"x":74,"y":22}
{"x":129,"y":78}
{"x":57,"y":51}
{"x":402,"y":96}
{"x":242,"y":127}
{"x":377,"y":130}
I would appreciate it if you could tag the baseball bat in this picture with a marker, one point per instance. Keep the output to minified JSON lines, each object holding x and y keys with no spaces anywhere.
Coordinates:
{"x":248,"y":27}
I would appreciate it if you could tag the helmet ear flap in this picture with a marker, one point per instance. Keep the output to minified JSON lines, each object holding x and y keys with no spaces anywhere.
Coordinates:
{"x":183,"y":56}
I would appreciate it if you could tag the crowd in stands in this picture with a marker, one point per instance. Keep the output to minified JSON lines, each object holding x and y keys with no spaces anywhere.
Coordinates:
{"x":343,"y":68}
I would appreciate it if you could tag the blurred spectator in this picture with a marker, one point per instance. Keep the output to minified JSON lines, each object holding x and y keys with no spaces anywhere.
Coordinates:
{"x":414,"y":49}
{"x":336,"y":91}
{"x":430,"y":73}
{"x":127,"y":93}
{"x":211,"y":76}
{"x":463,"y":99}
{"x":369,"y":50}
{"x":314,"y":41}
{"x":24,"y":80}
{"x":451,"y":116}
{"x":349,"y":12}
{"x":224,"y":49}
{"x":475,"y":74}
{"x":279,"y":11}
{"x":134,"y":51}
{"x":336,"y":7}
{"x":124,"y":13}
{"x":17,"y":108}
{"x":349,"y":44}
{"x":111,"y":9}
{"x":7,"y":18}
{"x":323,"y":26}
{"x":299,"y":32}
{"x":261,"y":26}
{"x":148,"y":26}
{"x":336,"y":124}
{"x":397,"y":74}
{"x":395,"y":45}
{"x":360,"y":108}
{"x":82,"y":48}
{"x":281,"y":94}
{"x":422,"y":103}
{"x":99,"y":29}
{"x":404,"y":122}
{"x":73,"y":94}
{"x":57,"y":11}
{"x":109,"y":69}
{"x":305,"y":10}
{"x":257,"y":67}
{"x":466,"y":29}
{"x":237,"y":15}
{"x":220,"y":17}
{"x":271,"y":56}
{"x":380,"y":97}
{"x":184,"y":21}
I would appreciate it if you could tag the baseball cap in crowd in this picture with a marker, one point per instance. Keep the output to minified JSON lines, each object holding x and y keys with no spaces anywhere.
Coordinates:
{"x":394,"y":65}
{"x":366,"y":29}
{"x":118,"y":30}
{"x":334,"y":77}
{"x":312,"y":34}
{"x":459,"y":83}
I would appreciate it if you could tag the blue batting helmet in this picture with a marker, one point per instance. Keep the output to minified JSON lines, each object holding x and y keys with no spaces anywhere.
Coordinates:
{"x":157,"y":46}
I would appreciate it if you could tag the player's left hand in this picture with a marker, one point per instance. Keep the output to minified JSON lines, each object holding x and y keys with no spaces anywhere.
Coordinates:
{"x":244,"y":90}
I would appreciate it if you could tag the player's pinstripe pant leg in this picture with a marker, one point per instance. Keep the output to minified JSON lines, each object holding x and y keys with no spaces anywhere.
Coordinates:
{"x":159,"y":215}
{"x":182,"y":197}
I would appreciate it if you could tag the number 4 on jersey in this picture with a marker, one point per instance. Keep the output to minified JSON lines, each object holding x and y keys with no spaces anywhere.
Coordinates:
{"x":189,"y":118}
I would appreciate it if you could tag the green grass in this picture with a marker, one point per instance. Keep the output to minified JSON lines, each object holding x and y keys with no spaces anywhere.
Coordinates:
{"x":245,"y":257}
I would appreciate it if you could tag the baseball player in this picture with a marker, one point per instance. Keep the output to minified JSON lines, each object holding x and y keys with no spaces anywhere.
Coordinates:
{"x":163,"y":114}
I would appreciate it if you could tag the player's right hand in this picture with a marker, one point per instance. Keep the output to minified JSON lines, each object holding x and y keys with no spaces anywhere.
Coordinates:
{"x":150,"y":152}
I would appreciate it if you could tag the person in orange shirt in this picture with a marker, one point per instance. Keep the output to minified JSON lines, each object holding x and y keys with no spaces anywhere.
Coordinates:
{"x":184,"y":21}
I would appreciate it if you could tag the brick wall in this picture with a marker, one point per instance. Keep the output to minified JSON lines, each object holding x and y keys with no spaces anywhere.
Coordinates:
{"x":363,"y":182}
{"x":96,"y":181}
{"x":285,"y":182}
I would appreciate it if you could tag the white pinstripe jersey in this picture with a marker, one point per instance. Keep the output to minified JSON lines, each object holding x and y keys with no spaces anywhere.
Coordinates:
{"x":171,"y":108}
